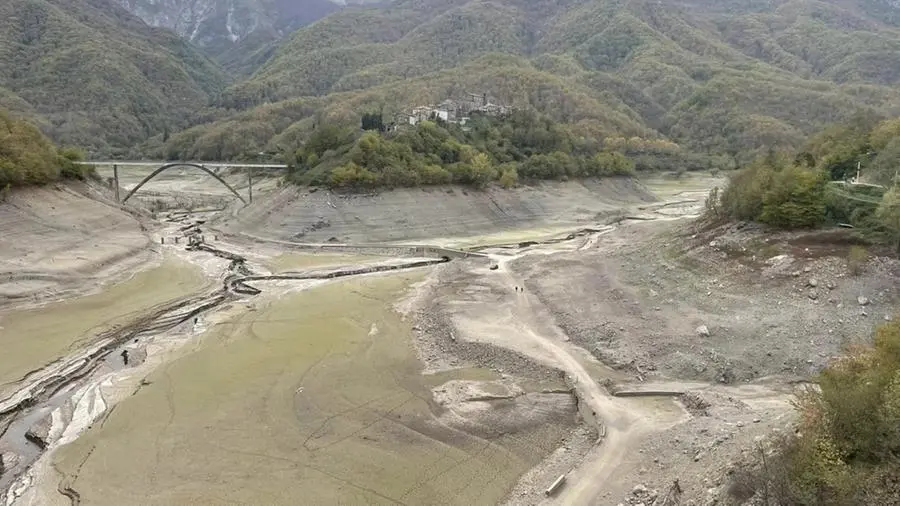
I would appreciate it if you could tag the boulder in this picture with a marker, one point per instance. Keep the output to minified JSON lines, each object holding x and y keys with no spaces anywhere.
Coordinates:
{"x":863,"y":301}
{"x":813,"y":282}
{"x":703,"y":331}
{"x":39,"y":433}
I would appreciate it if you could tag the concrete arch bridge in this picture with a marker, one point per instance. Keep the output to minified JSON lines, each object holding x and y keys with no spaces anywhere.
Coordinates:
{"x":202,"y":166}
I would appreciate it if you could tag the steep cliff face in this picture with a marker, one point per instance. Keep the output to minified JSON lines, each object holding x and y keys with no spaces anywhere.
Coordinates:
{"x":235,"y":32}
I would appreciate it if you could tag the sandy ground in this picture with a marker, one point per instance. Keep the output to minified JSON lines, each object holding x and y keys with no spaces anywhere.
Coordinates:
{"x":286,"y":262}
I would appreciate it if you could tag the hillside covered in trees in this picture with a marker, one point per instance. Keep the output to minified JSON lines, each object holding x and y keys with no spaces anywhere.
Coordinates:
{"x":94,"y":76}
{"x":730,"y":78}
{"x":846,"y":174}
{"x":27,"y":157}
{"x":522,"y":145}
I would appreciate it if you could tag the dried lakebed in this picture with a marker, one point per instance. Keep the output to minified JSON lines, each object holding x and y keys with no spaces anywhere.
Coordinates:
{"x":350,"y":330}
{"x":305,"y":387}
{"x":314,"y":397}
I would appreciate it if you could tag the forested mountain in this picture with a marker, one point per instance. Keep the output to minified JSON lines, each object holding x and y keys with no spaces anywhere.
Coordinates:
{"x":92,"y":75}
{"x":718,"y":76}
{"x":239,"y":34}
{"x":728,"y":77}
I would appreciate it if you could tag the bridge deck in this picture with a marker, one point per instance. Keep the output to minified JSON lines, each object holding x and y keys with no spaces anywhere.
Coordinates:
{"x":211,"y":165}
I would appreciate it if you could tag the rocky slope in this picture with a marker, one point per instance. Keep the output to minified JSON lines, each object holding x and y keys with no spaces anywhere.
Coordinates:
{"x":241,"y":34}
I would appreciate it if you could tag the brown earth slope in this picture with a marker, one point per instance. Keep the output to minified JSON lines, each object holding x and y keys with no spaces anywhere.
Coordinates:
{"x":405,"y":214}
{"x":55,"y":238}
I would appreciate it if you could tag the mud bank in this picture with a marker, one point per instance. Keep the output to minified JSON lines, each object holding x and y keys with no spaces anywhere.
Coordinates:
{"x":299,"y":214}
{"x":62,"y":239}
{"x":53,"y":387}
{"x":35,"y":341}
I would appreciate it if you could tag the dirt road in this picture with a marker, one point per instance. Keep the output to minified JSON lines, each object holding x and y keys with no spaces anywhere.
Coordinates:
{"x":621,"y":422}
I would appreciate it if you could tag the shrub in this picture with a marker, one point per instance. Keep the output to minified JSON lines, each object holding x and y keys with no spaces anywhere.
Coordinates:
{"x":848,"y":447}
{"x":509,"y":178}
{"x":26,"y":155}
{"x":857,"y":258}
{"x":713,"y":204}
{"x":352,"y":175}
{"x":795,"y":199}
{"x":743,"y":197}
{"x":435,"y":174}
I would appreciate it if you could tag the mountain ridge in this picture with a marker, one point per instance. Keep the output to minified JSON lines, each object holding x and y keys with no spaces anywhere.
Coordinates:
{"x":239,"y":34}
{"x":722,"y":77}
{"x":92,"y":75}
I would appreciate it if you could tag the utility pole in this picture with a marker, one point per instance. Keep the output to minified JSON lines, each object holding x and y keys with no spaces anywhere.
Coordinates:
{"x":116,"y":181}
{"x":250,"y":184}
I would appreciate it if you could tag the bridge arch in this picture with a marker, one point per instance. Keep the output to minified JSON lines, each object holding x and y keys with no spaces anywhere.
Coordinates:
{"x":182,"y":164}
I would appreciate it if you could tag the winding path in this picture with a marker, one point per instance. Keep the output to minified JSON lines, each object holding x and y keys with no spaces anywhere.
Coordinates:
{"x":622,"y":422}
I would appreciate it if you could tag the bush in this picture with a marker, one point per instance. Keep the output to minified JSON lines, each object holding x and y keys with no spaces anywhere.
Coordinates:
{"x":509,"y":178}
{"x":848,"y":447}
{"x":743,"y":197}
{"x":353,"y":176}
{"x":774,"y":191}
{"x":857,"y":258}
{"x":26,"y":155}
{"x":795,"y":199}
{"x":69,"y":168}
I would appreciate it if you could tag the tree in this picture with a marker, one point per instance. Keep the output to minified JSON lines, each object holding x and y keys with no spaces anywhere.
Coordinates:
{"x":509,"y":177}
{"x":327,"y":137}
{"x":886,"y":165}
{"x":482,"y":170}
{"x":26,"y":155}
{"x":888,"y":213}
{"x":373,"y":121}
{"x":796,"y":199}
{"x":884,"y":133}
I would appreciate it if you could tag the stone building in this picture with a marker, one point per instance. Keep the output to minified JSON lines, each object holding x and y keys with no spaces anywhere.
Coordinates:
{"x":458,"y":110}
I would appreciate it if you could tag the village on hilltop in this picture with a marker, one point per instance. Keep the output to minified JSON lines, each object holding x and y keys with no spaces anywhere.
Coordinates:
{"x":455,"y":111}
